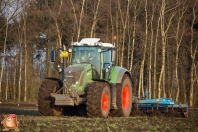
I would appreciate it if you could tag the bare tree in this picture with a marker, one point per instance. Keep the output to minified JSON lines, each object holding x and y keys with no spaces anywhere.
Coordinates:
{"x":7,"y":5}
{"x":164,"y":29}
{"x":179,"y":38}
{"x":124,"y":22}
{"x":150,"y":54}
{"x":135,"y":14}
{"x":14,"y":79}
{"x":7,"y":77}
{"x":78,"y":21}
{"x":155,"y":58}
{"x":26,"y":57}
{"x":95,"y":19}
{"x":8,"y":11}
{"x":55,"y":13}
{"x":193,"y":52}
{"x":4,"y":53}
{"x":141,"y":78}
{"x":20,"y":33}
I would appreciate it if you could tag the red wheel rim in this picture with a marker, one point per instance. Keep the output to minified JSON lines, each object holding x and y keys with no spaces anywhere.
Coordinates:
{"x":105,"y":102}
{"x":125,"y":97}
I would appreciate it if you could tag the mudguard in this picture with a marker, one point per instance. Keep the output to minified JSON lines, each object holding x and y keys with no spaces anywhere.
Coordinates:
{"x":117,"y":74}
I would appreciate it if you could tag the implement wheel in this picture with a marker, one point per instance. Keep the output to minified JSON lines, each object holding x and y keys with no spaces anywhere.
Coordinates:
{"x":45,"y":100}
{"x":123,"y":98}
{"x":98,"y":100}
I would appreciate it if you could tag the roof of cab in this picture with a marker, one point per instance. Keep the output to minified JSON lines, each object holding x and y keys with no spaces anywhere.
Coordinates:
{"x":91,"y":42}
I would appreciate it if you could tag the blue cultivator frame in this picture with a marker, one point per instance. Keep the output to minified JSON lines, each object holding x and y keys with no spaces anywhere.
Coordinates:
{"x":165,"y":105}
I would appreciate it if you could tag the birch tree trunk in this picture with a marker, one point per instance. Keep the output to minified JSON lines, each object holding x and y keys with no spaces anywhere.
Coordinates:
{"x":20,"y":61}
{"x":169,"y":76}
{"x":117,"y":40}
{"x":26,"y":58}
{"x":121,"y":50}
{"x":95,"y":19}
{"x":151,"y":53}
{"x":127,"y":22}
{"x":4,"y":55}
{"x":59,"y":34}
{"x":75,"y":17}
{"x":124,"y":24}
{"x":163,"y":48}
{"x":193,"y":52}
{"x":112,"y":21}
{"x":178,"y":38}
{"x":80,"y":20}
{"x":7,"y":78}
{"x":161,"y":83}
{"x":155,"y":60}
{"x":134,"y":33}
{"x":54,"y":14}
{"x":141,"y":78}
{"x":20,"y":72}
{"x":184,"y":91}
{"x":129,"y":47}
{"x":14,"y":79}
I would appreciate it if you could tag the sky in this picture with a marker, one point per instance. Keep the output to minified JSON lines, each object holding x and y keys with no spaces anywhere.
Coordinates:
{"x":11,"y":9}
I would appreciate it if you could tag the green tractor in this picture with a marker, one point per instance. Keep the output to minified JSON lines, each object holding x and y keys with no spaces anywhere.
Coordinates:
{"x":90,"y":84}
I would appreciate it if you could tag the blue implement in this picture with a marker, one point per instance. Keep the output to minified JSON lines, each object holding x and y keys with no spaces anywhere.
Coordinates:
{"x":160,"y":103}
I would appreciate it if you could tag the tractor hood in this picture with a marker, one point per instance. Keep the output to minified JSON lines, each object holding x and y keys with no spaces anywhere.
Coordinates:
{"x":76,"y":74}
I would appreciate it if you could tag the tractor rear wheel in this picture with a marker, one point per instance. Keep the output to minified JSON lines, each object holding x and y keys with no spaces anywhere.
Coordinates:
{"x":123,"y":98}
{"x":98,"y":100}
{"x":45,"y":100}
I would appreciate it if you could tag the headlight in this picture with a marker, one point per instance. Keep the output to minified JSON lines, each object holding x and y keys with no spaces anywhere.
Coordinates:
{"x":60,"y":70}
{"x":106,"y":70}
{"x":70,"y":50}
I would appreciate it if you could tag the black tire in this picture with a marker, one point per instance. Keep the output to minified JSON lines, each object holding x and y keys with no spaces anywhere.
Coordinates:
{"x":123,"y":98}
{"x":45,"y":100}
{"x":98,"y":100}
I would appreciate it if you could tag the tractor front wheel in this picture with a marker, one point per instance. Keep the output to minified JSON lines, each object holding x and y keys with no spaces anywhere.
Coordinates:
{"x":45,"y":100}
{"x":98,"y":100}
{"x":123,"y":98}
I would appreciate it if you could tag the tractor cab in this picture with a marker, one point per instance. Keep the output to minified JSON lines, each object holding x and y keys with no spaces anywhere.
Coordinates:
{"x":90,"y":51}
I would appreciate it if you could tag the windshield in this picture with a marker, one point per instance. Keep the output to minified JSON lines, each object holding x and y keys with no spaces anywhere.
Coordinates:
{"x":86,"y":54}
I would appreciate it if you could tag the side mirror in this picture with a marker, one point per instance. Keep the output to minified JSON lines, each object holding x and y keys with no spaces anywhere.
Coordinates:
{"x":113,"y":55}
{"x":53,"y":55}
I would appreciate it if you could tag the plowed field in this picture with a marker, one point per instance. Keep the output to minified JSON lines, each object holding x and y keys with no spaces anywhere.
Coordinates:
{"x":30,"y":120}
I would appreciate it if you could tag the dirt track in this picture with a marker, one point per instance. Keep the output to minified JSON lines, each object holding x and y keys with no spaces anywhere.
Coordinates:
{"x":19,"y":109}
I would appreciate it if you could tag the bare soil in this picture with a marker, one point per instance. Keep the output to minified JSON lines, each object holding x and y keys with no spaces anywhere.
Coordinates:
{"x":28,"y":114}
{"x":19,"y":109}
